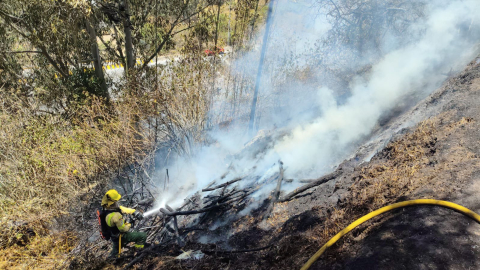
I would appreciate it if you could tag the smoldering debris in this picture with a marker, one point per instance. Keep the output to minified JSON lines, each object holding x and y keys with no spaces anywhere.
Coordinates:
{"x":313,"y":136}
{"x":218,"y":205}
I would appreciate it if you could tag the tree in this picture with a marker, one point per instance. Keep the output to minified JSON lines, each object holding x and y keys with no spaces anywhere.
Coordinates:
{"x":140,"y":26}
{"x":362,"y":25}
{"x":55,"y":39}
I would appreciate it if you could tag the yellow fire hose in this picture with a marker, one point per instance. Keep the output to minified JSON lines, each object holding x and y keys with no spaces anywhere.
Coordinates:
{"x":382,"y":210}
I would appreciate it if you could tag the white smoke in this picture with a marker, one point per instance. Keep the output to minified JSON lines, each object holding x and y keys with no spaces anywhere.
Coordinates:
{"x":326,"y":131}
{"x":416,"y":67}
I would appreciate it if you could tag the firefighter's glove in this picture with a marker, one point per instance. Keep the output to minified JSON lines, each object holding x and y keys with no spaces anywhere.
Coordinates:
{"x":137,"y":215}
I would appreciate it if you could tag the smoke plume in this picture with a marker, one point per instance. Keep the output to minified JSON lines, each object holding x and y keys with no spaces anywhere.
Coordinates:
{"x":317,"y":120}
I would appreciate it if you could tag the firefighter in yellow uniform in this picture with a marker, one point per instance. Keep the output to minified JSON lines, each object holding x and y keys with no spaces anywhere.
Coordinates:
{"x":119,"y":228}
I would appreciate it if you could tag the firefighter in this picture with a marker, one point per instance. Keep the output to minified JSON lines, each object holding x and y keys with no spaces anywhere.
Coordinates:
{"x":118,"y":227}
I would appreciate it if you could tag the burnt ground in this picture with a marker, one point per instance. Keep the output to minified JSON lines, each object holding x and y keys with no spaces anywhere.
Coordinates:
{"x":434,"y":153}
{"x":428,"y":237}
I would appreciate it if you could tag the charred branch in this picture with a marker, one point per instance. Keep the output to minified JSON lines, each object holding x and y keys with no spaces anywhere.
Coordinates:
{"x":276,"y":194}
{"x":211,"y":183}
{"x":206,"y":209}
{"x":306,"y":181}
{"x":191,"y":212}
{"x":223,"y":185}
{"x":317,"y":182}
{"x":146,"y":201}
{"x":222,"y":197}
{"x":177,"y":233}
{"x":169,"y":208}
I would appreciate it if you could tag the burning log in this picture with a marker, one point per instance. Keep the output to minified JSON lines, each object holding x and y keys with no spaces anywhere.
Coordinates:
{"x":223,"y":185}
{"x":317,"y":182}
{"x":222,"y":199}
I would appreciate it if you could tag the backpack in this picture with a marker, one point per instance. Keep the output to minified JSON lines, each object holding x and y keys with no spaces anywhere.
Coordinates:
{"x":106,"y":232}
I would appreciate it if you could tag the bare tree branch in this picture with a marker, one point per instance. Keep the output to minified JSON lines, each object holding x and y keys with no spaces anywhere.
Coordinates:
{"x":167,"y":36}
{"x":14,"y":52}
{"x":339,"y":13}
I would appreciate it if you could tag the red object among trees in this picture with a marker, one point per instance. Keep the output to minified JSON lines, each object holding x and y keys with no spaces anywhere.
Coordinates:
{"x":209,"y":52}
{"x":217,"y":51}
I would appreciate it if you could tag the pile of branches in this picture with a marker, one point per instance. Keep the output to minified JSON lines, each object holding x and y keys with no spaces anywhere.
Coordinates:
{"x":172,"y":226}
{"x":221,"y":198}
{"x":164,"y":226}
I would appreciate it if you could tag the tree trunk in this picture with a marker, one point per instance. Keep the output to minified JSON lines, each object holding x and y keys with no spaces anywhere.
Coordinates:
{"x":234,"y":33}
{"x":128,"y":38}
{"x":119,"y":45}
{"x":97,"y":61}
{"x":229,"y":30}
{"x":218,"y":21}
{"x":254,"y":19}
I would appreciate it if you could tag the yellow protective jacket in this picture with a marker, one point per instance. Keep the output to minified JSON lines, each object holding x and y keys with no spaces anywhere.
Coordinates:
{"x":115,"y":219}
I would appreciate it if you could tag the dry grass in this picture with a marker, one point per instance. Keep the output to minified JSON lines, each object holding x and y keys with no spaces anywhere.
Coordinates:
{"x":52,"y":165}
{"x":383,"y":182}
{"x":279,"y":215}
{"x":41,"y":252}
{"x":244,"y":224}
{"x":378,"y":184}
{"x":396,"y":172}
{"x":46,"y":163}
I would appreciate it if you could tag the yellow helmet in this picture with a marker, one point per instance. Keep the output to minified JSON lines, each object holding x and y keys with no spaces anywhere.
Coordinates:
{"x":110,"y":197}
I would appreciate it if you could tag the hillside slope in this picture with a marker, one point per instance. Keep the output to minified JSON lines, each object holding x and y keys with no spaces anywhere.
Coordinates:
{"x":437,"y":157}
{"x":444,"y":149}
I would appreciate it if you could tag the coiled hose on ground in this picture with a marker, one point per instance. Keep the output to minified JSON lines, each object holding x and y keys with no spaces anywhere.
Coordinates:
{"x":382,"y":210}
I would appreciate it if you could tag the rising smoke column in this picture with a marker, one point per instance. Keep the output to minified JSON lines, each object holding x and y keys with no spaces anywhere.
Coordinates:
{"x":317,"y":143}
{"x":418,"y":67}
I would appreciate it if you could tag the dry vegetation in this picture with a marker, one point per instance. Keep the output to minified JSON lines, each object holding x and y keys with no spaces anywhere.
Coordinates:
{"x":381,"y":183}
{"x":62,"y":143}
{"x":52,"y":165}
{"x":56,"y":160}
{"x":47,"y":161}
{"x":399,"y":171}
{"x":42,"y":252}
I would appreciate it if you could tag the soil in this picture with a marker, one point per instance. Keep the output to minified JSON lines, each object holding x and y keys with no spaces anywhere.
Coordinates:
{"x":431,"y":151}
